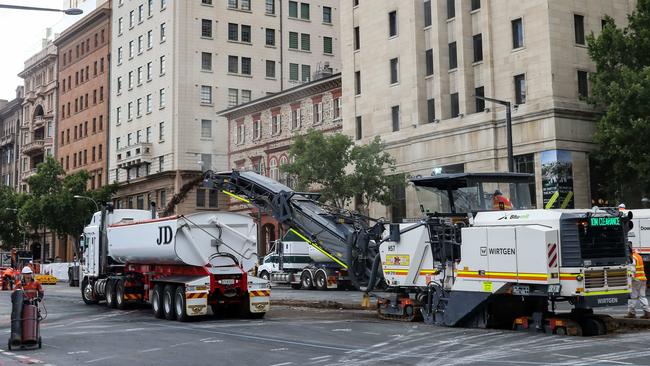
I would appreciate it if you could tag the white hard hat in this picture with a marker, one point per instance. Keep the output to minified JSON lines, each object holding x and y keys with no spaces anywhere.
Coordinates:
{"x":26,"y":270}
{"x":622,"y":205}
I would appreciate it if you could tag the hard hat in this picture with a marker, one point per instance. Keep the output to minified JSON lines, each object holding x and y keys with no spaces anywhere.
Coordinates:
{"x":622,"y":205}
{"x":26,"y":270}
{"x":498,"y":193}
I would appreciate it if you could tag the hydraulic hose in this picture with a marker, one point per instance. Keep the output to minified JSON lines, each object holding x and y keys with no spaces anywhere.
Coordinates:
{"x":373,"y":274}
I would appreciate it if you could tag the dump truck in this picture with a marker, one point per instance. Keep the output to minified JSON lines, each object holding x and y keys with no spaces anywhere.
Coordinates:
{"x":480,"y":256}
{"x":181,"y":265}
{"x":640,"y":233}
{"x":294,"y":262}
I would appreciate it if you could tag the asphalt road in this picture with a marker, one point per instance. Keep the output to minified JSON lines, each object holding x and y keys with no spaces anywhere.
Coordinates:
{"x":76,"y":334}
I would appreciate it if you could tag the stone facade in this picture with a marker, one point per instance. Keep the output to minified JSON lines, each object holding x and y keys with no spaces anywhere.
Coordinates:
{"x":10,"y":119}
{"x":176,"y":63}
{"x":423,"y":103}
{"x":39,"y":111}
{"x":83,"y":58}
{"x":260,"y":134}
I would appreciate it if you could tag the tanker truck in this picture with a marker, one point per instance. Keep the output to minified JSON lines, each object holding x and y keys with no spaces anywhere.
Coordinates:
{"x":294,"y":262}
{"x":178,"y":264}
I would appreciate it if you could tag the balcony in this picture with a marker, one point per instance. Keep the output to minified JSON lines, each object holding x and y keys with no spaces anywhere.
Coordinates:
{"x":134,"y":155}
{"x":26,"y":174}
{"x":7,"y":140}
{"x":33,"y":148}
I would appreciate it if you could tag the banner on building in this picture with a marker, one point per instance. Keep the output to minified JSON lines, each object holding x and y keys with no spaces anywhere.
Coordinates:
{"x":557,"y":179}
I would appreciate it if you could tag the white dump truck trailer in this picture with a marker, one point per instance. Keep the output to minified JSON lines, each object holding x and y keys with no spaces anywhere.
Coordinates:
{"x":178,"y":264}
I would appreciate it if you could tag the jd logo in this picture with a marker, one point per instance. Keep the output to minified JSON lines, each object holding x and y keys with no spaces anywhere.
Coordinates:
{"x":483,"y":251}
{"x":164,"y":235}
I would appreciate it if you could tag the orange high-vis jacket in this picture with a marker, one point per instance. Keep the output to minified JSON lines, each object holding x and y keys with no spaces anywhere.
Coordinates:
{"x":500,"y":202}
{"x":32,"y":289}
{"x":639,"y":272}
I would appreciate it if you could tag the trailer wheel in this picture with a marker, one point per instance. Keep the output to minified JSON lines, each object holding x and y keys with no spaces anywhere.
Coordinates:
{"x":306,"y":281}
{"x":265,"y":275}
{"x":87,"y":292}
{"x":168,"y":302}
{"x":156,"y":301}
{"x":321,"y":280}
{"x":110,"y":294}
{"x":179,"y":305}
{"x":119,"y":295}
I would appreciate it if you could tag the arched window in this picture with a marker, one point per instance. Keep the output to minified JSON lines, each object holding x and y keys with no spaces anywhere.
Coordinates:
{"x":284,"y":176}
{"x":273,"y":167}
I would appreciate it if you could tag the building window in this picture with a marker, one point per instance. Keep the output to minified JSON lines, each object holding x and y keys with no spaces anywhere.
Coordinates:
{"x":431,"y":110}
{"x":140,"y":13}
{"x":118,"y":115}
{"x":206,"y":28}
{"x":517,"y":33}
{"x":520,"y":89}
{"x":139,"y":73}
{"x":163,"y":36}
{"x":245,"y":4}
{"x":233,"y":32}
{"x":306,"y":73}
{"x":476,"y":4}
{"x":149,"y":70}
{"x":427,"y":13}
{"x":206,"y":2}
{"x":246,"y":33}
{"x":293,"y":40}
{"x":583,"y":85}
{"x":429,"y":61}
{"x":148,"y":134}
{"x":358,"y":131}
{"x":241,"y":132}
{"x":129,"y":111}
{"x":233,"y":95}
{"x":149,"y":39}
{"x":304,"y":11}
{"x":293,"y":72}
{"x":149,"y":103}
{"x":206,"y":94}
{"x":305,"y":42}
{"x":200,"y":197}
{"x":454,"y":105}
{"x":119,"y":84}
{"x":451,"y":9}
{"x":131,"y":50}
{"x":161,"y":131}
{"x":295,"y":118}
{"x":394,"y":70}
{"x":392,"y":23}
{"x":206,"y":128}
{"x":206,"y":61}
{"x":453,"y":60}
{"x":233,"y":64}
{"x":270,"y":37}
{"x":276,"y":126}
{"x":526,"y":164}
{"x":149,"y":7}
{"x":161,"y":98}
{"x":394,"y":112}
{"x":317,"y":113}
{"x":213,"y":198}
{"x":246,"y":65}
{"x":120,"y":26}
{"x":579,"y":28}
{"x":337,"y":108}
{"x":232,"y":4}
{"x":327,"y":15}
{"x":357,"y":43}
{"x":162,"y":65}
{"x":270,"y":69}
{"x":245,"y":96}
{"x":139,"y":107}
{"x":293,"y":9}
{"x":478,"y":47}
{"x":257,"y":129}
{"x":357,"y":82}
{"x":480,"y":103}
{"x":120,"y":55}
{"x":327,"y":45}
{"x":398,"y":208}
{"x":270,"y":7}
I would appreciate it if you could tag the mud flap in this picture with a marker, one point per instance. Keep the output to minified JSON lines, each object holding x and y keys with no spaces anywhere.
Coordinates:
{"x":462,"y":305}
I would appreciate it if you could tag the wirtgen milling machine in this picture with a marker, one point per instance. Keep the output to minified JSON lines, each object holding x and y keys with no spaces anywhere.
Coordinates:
{"x":480,"y":256}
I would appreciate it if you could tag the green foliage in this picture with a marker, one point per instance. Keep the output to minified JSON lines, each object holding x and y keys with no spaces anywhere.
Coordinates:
{"x":621,"y":88}
{"x":340,"y":170}
{"x":10,"y":229}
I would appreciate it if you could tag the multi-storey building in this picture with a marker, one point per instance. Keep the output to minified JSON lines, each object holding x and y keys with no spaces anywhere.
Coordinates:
{"x":82,"y":129}
{"x":412,"y":69}
{"x":260,"y":134}
{"x":175,"y":64}
{"x":10,"y":117}
{"x":39,"y":111}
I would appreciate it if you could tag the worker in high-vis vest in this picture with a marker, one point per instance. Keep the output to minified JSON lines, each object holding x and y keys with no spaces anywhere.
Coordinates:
{"x":500,"y":202}
{"x":638,"y":287}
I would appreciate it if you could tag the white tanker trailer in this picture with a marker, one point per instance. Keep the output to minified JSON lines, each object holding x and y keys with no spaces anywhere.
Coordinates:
{"x":178,"y":264}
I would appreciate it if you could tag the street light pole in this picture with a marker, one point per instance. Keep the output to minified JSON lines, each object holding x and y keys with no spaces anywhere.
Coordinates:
{"x":71,"y":11}
{"x":511,"y":159}
{"x":87,"y":198}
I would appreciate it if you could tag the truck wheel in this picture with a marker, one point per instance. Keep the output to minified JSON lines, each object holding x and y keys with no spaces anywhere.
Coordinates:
{"x":168,"y":302}
{"x":179,"y":305}
{"x":120,"y":303}
{"x":110,"y":294}
{"x":156,"y":301}
{"x":306,"y":281}
{"x":265,"y":275}
{"x":87,"y":292}
{"x":320,"y":281}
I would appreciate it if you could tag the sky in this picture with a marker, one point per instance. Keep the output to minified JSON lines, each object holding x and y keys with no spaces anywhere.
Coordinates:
{"x":21,"y":32}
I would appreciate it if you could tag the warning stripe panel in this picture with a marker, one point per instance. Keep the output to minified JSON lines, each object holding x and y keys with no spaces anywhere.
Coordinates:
{"x":260,"y":292}
{"x":404,"y":272}
{"x":196,"y":295}
{"x":552,"y":255}
{"x":504,"y":275}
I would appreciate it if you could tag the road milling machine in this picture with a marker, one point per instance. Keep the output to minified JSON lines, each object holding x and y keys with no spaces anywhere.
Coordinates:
{"x":480,"y":256}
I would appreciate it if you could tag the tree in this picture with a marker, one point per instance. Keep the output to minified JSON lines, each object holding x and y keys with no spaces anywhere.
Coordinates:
{"x":11,"y":232}
{"x":621,"y":88}
{"x":340,"y":170}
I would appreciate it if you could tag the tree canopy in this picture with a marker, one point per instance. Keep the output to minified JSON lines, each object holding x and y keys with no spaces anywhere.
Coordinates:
{"x":621,"y":88}
{"x":340,"y":170}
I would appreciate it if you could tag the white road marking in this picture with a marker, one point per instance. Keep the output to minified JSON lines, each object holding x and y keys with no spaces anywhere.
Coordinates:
{"x":150,"y":350}
{"x":100,"y":359}
{"x":282,"y":364}
{"x":21,"y":357}
{"x":319,"y":357}
{"x":278,"y":349}
{"x":180,"y":344}
{"x":342,"y":330}
{"x":77,"y":352}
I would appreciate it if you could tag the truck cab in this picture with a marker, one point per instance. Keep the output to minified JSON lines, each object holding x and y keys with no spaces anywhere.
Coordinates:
{"x":287,"y":256}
